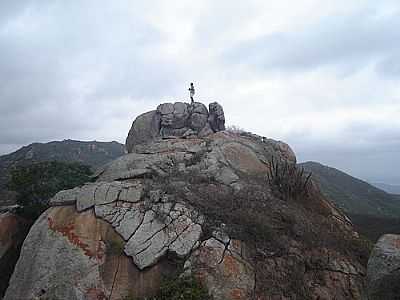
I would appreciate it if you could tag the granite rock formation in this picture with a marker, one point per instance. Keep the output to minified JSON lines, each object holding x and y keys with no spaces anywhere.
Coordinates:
{"x":177,"y":119}
{"x":383,"y":272}
{"x":201,"y":206}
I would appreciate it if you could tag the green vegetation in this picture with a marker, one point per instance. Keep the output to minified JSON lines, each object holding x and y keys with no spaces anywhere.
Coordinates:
{"x":179,"y":288}
{"x":372,"y":211}
{"x":182,"y":288}
{"x":115,"y":247}
{"x":92,"y":153}
{"x":36,"y":183}
{"x":270,"y":218}
{"x":288,"y":180}
{"x":373,"y":227}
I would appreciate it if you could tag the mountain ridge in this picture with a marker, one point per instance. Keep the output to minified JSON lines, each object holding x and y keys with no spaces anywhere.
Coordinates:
{"x":352,"y":195}
{"x":92,"y":153}
{"x":388,"y":188}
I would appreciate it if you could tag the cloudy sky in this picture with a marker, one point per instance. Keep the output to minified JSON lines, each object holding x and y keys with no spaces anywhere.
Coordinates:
{"x":322,"y":75}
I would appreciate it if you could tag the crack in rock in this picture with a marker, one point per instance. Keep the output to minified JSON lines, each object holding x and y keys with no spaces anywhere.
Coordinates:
{"x":150,"y":228}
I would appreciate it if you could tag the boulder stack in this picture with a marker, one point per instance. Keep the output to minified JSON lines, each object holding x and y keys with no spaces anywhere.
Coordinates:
{"x":176,"y":120}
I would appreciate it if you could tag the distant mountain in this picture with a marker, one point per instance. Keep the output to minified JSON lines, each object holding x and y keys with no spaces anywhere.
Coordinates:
{"x":388,"y":188}
{"x":373,"y":227}
{"x":91,"y":153}
{"x":353,"y":195}
{"x":372,"y":211}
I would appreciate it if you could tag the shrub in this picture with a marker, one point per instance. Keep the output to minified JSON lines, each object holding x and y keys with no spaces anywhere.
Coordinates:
{"x":288,"y":179}
{"x":115,"y":247}
{"x":181,"y":288}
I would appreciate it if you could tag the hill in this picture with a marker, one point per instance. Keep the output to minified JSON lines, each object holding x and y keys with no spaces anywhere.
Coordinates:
{"x":372,"y":211}
{"x":353,"y":195}
{"x":388,"y":188}
{"x":90,"y":153}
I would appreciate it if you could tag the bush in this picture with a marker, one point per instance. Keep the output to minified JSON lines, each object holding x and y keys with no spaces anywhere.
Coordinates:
{"x":181,"y":288}
{"x":273,"y":219}
{"x":288,"y":179}
{"x":115,"y":247}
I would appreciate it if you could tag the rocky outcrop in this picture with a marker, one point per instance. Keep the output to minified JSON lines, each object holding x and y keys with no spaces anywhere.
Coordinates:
{"x":221,"y":263}
{"x":144,"y":129}
{"x":383,"y":275}
{"x":199,"y":206}
{"x":71,"y":255}
{"x":217,"y":117}
{"x":177,"y":119}
{"x":150,"y":229}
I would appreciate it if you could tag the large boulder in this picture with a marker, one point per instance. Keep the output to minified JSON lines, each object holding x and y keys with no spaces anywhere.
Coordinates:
{"x":144,"y":129}
{"x":217,"y":117}
{"x":171,"y":120}
{"x":383,"y":271}
{"x":200,"y":207}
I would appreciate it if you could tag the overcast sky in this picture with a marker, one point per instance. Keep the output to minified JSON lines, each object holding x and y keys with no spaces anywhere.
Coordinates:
{"x":321,"y":75}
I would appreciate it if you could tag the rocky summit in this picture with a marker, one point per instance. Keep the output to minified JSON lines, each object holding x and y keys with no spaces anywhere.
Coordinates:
{"x":177,"y":119}
{"x":192,"y":199}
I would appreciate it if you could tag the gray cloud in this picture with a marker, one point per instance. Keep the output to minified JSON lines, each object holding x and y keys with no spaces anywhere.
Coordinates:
{"x":62,"y":63}
{"x":364,"y":150}
{"x":81,"y":70}
{"x":350,"y":42}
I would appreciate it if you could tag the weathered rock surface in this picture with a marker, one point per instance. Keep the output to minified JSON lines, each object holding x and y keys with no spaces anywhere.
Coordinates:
{"x":217,"y":117}
{"x":177,"y":119}
{"x":224,"y":268}
{"x":151,"y":227}
{"x":383,"y":271}
{"x":78,"y":256}
{"x":144,"y":129}
{"x":202,"y":203}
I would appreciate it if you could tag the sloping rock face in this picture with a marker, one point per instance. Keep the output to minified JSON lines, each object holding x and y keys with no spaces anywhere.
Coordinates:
{"x":383,"y":276}
{"x":177,"y":119}
{"x":201,"y":206}
{"x":78,"y":256}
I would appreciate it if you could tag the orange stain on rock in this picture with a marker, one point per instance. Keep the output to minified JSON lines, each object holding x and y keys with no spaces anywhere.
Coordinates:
{"x":237,"y":294}
{"x":231,"y":267}
{"x":396,"y":243}
{"x":68,"y":232}
{"x":95,"y":294}
{"x":8,"y":227}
